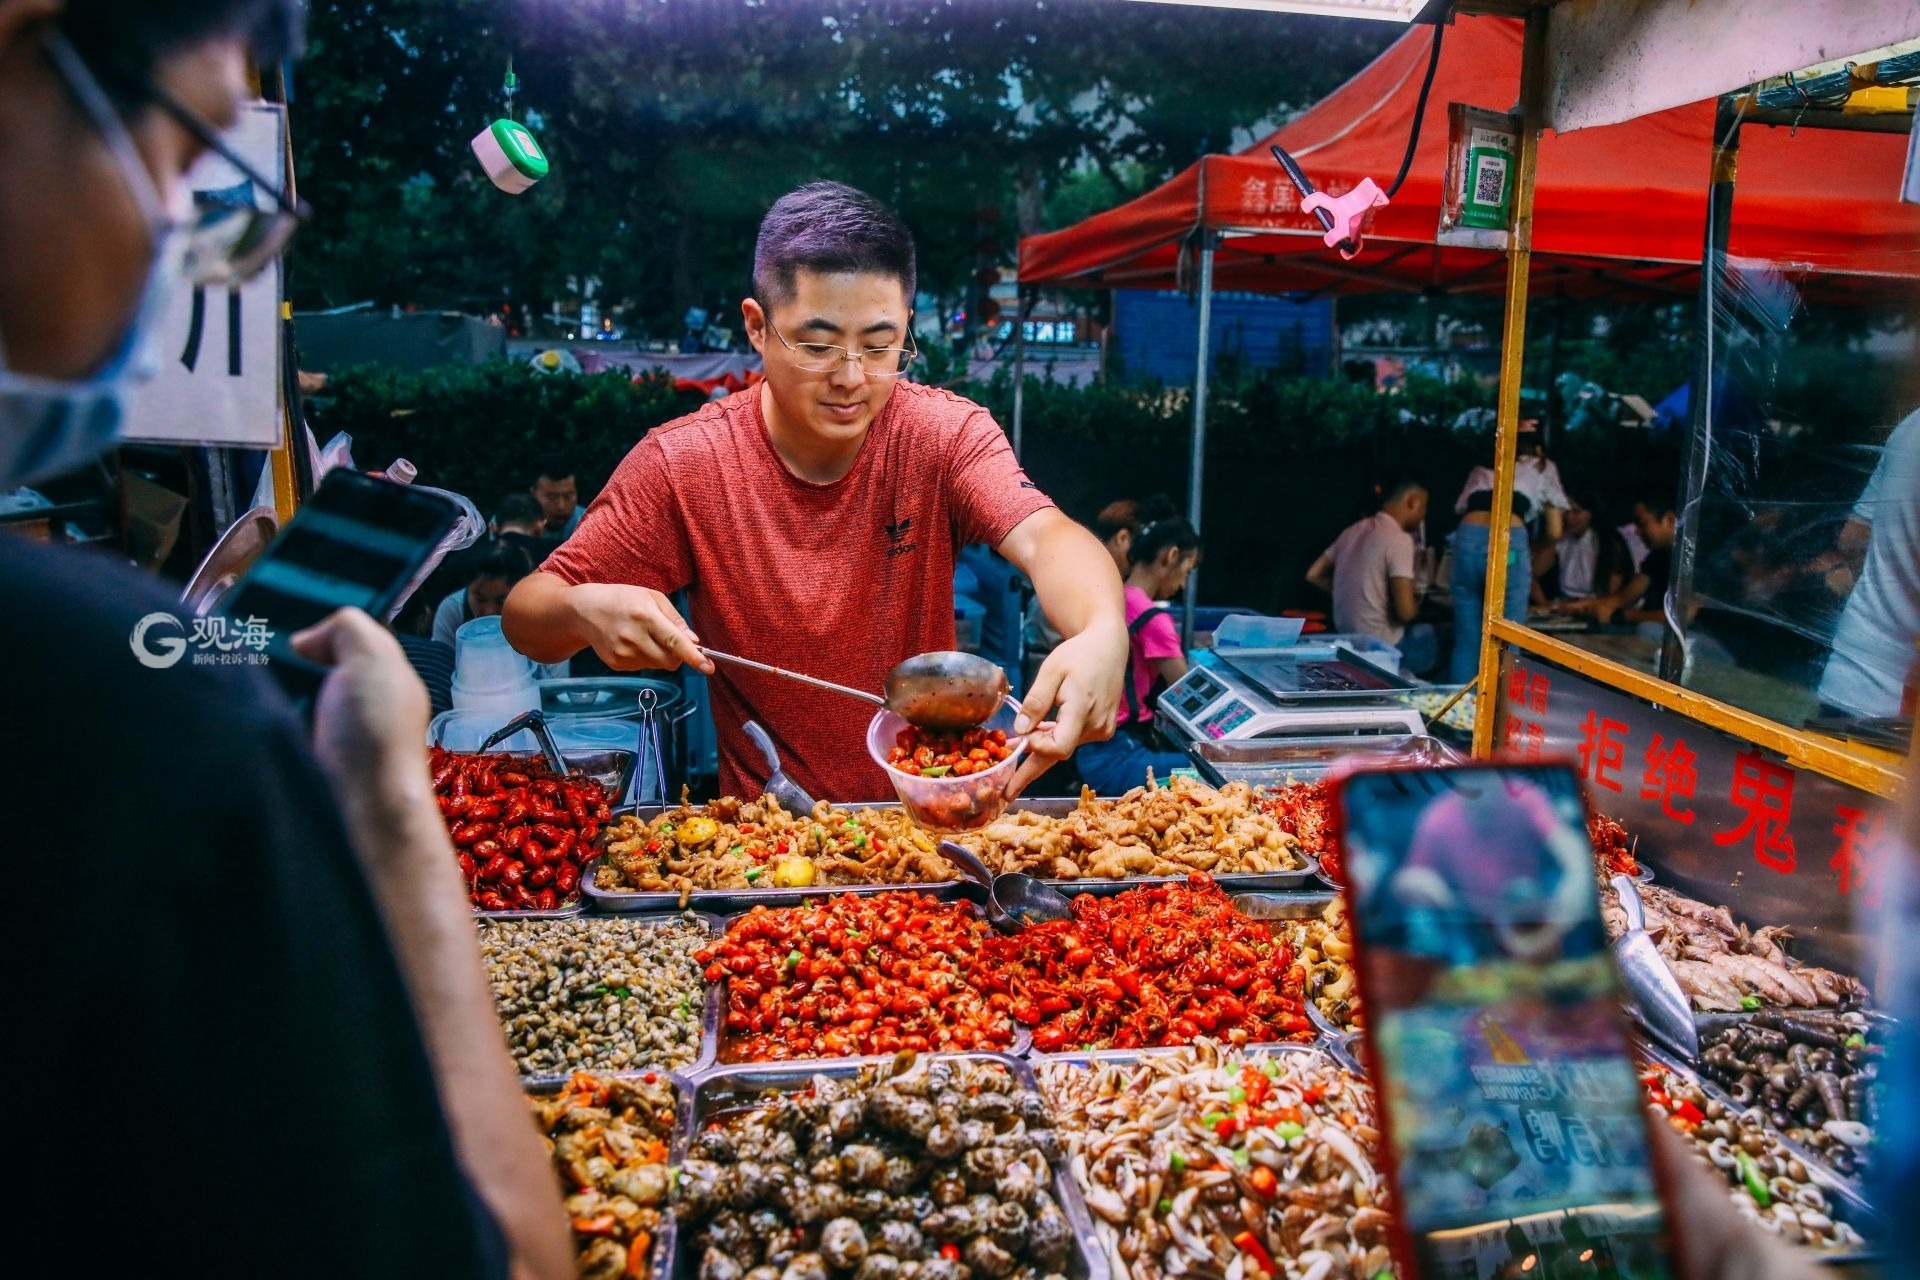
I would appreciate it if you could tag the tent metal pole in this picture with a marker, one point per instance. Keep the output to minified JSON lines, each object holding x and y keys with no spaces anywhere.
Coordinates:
{"x":1019,"y":370}
{"x":1693,"y":482}
{"x":1197,"y":462}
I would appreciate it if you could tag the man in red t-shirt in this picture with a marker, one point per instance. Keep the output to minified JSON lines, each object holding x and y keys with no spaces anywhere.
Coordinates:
{"x":816,"y":519}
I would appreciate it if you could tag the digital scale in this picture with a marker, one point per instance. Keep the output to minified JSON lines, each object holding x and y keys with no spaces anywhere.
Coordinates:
{"x":1322,"y":689}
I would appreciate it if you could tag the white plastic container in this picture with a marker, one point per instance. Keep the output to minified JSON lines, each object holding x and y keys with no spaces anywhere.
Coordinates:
{"x":489,"y":677}
{"x":949,"y":804}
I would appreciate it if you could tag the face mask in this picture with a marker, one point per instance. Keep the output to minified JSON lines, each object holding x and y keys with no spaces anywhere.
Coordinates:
{"x":51,"y":425}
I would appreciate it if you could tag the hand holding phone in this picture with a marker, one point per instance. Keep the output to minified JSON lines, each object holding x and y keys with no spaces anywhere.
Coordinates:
{"x":1514,"y":1132}
{"x":356,"y":543}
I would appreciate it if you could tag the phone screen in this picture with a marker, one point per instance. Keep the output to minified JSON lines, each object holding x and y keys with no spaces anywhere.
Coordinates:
{"x":356,"y":543}
{"x":1512,"y":1109}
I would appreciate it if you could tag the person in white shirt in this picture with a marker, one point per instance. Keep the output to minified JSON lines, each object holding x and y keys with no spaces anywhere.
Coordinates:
{"x":1534,"y":476}
{"x":1590,"y":560}
{"x":1369,"y":570}
{"x":1873,"y":645}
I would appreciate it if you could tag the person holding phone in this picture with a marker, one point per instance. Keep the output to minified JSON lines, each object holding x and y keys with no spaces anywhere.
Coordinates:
{"x":272,"y":926}
{"x":817,"y":518}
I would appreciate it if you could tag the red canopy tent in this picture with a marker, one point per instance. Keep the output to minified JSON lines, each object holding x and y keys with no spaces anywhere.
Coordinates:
{"x":1616,"y":209}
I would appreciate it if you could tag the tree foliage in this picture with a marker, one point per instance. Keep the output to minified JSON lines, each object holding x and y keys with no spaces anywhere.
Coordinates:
{"x":672,"y":124}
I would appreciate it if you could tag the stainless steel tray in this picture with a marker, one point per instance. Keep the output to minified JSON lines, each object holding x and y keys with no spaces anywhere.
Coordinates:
{"x":1350,"y":1048}
{"x":1273,"y":762}
{"x":665,"y":1240}
{"x":1345,"y":678}
{"x":1095,"y":1057}
{"x":1849,"y":1205}
{"x":1021,"y":1047}
{"x":1295,"y":906}
{"x":1307,"y":877}
{"x":727,"y":1087}
{"x":558,"y":913}
{"x":713,"y":1008}
{"x":728,"y":901}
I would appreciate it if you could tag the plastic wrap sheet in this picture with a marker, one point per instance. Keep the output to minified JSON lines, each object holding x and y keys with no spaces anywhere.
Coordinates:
{"x":1805,"y":596}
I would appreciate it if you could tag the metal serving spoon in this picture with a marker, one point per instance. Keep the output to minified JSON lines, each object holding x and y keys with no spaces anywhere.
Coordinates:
{"x":1013,"y":900}
{"x":944,"y":690}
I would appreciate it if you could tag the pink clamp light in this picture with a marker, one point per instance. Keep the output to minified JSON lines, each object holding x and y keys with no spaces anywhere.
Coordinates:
{"x":1350,"y":213}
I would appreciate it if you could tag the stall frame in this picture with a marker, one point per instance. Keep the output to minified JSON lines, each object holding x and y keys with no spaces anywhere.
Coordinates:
{"x":1866,"y":768}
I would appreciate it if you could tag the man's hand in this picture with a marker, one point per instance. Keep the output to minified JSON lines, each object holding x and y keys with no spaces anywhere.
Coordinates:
{"x":635,"y":628}
{"x":1081,"y":678}
{"x":370,"y":720}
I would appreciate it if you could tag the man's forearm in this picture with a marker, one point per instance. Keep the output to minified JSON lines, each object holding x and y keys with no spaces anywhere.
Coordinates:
{"x":539,"y":621}
{"x":1072,"y":575}
{"x":410,"y":864}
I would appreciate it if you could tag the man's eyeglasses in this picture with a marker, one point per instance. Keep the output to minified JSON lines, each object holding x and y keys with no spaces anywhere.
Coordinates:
{"x":229,"y":238}
{"x":827,"y":357}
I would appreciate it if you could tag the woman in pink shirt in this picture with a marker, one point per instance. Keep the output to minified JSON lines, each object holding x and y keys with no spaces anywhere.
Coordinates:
{"x":1162,"y":556}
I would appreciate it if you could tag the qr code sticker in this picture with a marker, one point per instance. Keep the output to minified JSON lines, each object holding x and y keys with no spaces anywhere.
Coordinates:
{"x":1489,"y":179}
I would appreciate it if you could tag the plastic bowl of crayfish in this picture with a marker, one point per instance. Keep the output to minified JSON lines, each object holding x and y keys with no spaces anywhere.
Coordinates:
{"x":522,"y":834}
{"x":970,"y":793}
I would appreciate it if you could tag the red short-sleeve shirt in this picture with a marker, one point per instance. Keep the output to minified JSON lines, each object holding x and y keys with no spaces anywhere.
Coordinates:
{"x":838,"y":580}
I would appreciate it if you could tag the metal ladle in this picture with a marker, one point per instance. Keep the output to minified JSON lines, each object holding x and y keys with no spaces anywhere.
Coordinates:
{"x":945,"y":690}
{"x":1013,"y":900}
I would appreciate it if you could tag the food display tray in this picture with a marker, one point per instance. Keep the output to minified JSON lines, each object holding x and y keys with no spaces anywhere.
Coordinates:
{"x":666,"y":1239}
{"x":1306,"y":877}
{"x":713,"y":1008}
{"x":728,"y":901}
{"x":1845,"y":1196}
{"x":1096,"y":1057}
{"x":1295,"y":906}
{"x":567,"y":912}
{"x":732,"y":901}
{"x":726,"y":1088}
{"x":1275,"y":762}
{"x":1021,"y":1047}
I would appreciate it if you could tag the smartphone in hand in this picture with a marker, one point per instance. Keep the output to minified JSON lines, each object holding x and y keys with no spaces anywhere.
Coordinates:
{"x":357,"y":542}
{"x":1513,"y":1127}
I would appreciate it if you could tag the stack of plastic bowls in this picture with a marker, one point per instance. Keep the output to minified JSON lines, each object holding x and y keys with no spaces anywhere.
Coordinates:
{"x":490,"y":679}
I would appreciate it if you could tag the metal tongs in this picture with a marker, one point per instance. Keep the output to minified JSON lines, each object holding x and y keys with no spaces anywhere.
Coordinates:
{"x":648,"y":749}
{"x":536,"y":722}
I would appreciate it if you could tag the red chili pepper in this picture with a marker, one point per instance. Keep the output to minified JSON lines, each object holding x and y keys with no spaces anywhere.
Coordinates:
{"x":1264,"y":1183}
{"x":950,"y":1251}
{"x":1249,"y":1244}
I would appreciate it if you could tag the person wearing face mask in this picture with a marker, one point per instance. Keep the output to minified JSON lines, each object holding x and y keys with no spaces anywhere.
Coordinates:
{"x":261,"y":906}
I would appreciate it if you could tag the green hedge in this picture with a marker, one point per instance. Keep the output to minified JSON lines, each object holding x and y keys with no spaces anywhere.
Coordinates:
{"x":481,"y":430}
{"x":1289,"y":461}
